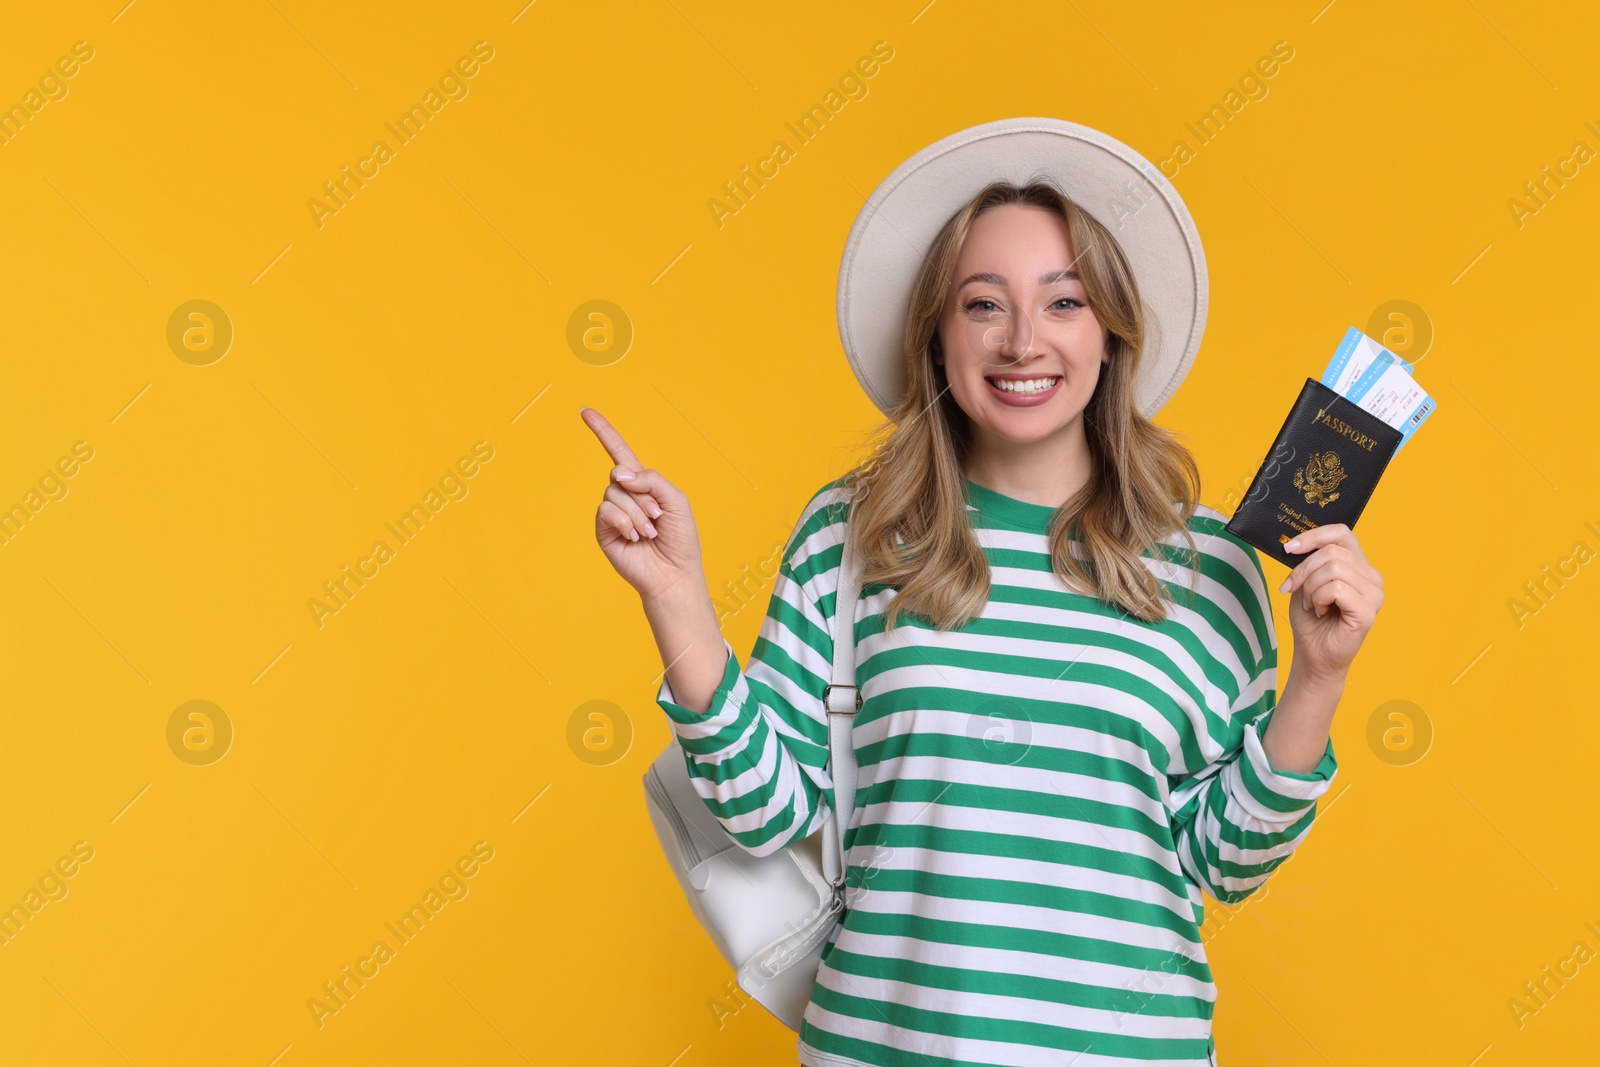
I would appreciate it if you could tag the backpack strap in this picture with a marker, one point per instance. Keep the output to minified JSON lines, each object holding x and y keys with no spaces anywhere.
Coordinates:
{"x":842,"y":699}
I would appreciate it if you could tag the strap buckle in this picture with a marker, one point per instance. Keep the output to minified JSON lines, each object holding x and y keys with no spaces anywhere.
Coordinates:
{"x":843,"y":704}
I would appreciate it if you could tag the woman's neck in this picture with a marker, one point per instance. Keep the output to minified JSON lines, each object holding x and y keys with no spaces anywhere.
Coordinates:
{"x":1046,"y":472}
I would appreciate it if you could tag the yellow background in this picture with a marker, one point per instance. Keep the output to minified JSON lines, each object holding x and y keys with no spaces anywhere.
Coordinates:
{"x":431,"y":312}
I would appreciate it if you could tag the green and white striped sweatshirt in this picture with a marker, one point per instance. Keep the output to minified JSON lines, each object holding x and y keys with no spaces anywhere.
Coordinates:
{"x":1041,"y":796}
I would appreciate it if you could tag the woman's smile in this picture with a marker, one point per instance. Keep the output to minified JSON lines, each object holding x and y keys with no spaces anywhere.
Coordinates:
{"x":1024,"y":390}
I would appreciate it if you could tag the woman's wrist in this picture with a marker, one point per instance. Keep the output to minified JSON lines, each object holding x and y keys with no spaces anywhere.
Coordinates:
{"x":1306,"y":676}
{"x":678,"y":599}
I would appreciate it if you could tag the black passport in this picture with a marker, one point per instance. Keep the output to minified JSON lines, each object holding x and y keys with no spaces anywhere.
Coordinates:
{"x":1324,"y":464}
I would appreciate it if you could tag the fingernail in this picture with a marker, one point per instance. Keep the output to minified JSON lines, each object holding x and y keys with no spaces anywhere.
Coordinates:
{"x":649,"y":529}
{"x":624,"y":475}
{"x":1284,"y":588}
{"x":651,"y":508}
{"x":633,"y":535}
{"x":1292,"y":546}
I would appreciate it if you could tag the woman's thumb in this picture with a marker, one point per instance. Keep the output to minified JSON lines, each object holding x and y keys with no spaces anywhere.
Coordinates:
{"x":647,"y":482}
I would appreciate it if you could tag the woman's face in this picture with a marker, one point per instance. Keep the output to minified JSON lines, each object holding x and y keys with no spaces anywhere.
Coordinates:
{"x":1017,"y":314}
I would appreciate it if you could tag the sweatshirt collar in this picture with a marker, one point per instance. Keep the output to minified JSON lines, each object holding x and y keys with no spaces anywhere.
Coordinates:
{"x":1008,"y":510}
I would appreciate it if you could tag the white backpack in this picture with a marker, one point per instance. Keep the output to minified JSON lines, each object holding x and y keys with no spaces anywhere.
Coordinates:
{"x":769,"y":916}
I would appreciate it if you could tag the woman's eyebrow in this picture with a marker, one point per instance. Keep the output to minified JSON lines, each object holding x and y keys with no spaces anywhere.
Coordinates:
{"x":1065,"y":274}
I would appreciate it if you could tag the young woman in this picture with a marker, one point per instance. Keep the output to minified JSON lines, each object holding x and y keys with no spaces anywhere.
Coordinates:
{"x":1067,"y":666}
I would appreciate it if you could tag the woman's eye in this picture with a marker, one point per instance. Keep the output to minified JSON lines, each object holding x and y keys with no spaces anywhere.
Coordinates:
{"x":983,"y":303}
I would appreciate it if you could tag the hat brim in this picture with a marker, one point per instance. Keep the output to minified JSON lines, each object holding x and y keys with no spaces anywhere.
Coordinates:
{"x":1125,"y":192}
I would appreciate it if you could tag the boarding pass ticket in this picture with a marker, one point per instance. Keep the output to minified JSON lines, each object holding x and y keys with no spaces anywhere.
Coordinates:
{"x":1376,"y":380}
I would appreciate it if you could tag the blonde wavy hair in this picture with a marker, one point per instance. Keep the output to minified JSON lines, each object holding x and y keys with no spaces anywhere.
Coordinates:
{"x":911,"y":488}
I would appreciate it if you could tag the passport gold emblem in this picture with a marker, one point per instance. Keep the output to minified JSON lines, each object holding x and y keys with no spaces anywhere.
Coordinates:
{"x":1320,"y":477}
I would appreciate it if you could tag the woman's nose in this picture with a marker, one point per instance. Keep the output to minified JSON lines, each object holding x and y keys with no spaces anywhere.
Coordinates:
{"x":1016,"y":339}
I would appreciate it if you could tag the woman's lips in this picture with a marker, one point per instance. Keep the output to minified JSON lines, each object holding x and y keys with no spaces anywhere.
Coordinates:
{"x":1025,"y":400}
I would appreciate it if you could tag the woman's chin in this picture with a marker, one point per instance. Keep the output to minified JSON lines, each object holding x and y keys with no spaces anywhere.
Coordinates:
{"x":1027,"y":427}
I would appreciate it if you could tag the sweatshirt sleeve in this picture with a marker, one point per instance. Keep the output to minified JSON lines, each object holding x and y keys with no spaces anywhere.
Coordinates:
{"x":758,"y":755}
{"x":1239,"y":818}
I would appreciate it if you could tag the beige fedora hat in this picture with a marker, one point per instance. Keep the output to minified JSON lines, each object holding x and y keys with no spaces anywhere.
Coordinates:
{"x":1125,"y":192}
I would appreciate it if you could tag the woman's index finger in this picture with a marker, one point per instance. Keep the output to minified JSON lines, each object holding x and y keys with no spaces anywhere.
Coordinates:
{"x":614,"y":445}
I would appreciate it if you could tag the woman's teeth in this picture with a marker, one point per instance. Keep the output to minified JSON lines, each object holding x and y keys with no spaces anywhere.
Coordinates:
{"x":1031,"y":385}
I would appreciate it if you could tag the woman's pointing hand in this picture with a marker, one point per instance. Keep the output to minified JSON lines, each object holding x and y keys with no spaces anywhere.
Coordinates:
{"x":644,"y":524}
